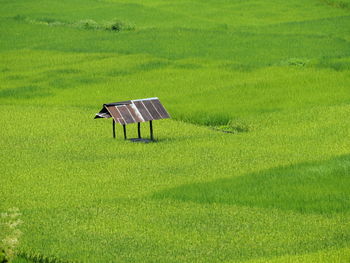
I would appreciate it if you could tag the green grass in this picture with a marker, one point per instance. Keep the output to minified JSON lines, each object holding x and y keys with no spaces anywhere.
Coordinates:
{"x":305,"y":188}
{"x":274,"y":75}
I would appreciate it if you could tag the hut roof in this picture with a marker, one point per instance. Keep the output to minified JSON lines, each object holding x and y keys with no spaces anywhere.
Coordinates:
{"x":133,"y":111}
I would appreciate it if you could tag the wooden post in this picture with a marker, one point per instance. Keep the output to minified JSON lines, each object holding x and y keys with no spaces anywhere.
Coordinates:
{"x":139,"y":130}
{"x":151,"y":130}
{"x":113,"y":127}
{"x":124,"y":128}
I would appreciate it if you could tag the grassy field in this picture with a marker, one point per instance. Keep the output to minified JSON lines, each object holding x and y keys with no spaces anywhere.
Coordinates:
{"x":274,"y":74}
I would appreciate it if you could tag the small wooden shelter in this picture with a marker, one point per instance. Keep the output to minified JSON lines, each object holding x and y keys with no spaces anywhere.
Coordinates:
{"x":134,"y":111}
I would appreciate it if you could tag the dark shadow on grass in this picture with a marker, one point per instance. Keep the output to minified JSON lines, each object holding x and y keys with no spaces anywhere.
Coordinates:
{"x":318,"y":187}
{"x":15,"y":77}
{"x":337,"y":4}
{"x":145,"y":67}
{"x":64,"y":71}
{"x":204,"y":118}
{"x":152,"y":65}
{"x":68,"y":83}
{"x":28,"y":257}
{"x":187,"y":66}
{"x":25,"y":92}
{"x":240,"y":67}
{"x":334,"y":64}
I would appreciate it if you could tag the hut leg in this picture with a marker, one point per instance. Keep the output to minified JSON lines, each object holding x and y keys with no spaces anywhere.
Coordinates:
{"x":139,"y":130}
{"x":124,"y":128}
{"x":113,"y":128}
{"x":151,"y":130}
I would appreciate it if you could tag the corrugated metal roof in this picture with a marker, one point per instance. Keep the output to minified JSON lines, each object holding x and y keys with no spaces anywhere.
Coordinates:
{"x":133,"y":111}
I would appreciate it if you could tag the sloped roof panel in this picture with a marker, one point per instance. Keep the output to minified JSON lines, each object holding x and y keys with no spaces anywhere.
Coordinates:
{"x":126,"y":115}
{"x":132,"y":111}
{"x":160,"y":109}
{"x":136,"y":113}
{"x":116,"y":114}
{"x":152,"y":110}
{"x":143,"y":111}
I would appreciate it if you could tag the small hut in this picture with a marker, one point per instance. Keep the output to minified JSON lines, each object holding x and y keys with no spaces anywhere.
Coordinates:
{"x":134,"y":111}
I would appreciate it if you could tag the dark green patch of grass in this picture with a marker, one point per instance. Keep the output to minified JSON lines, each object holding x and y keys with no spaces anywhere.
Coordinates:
{"x":205,"y":118}
{"x":296,"y":62}
{"x":118,"y":72}
{"x":5,"y":70}
{"x":118,"y":25}
{"x":24,"y":92}
{"x":152,"y":65}
{"x":345,"y":4}
{"x":115,"y":25}
{"x":144,"y":67}
{"x":87,"y":24}
{"x":321,"y":187}
{"x":239,"y":67}
{"x":234,"y":127}
{"x":337,"y":64}
{"x":67,"y":83}
{"x":64,"y":71}
{"x":187,"y":66}
{"x":33,"y":257}
{"x":15,"y":77}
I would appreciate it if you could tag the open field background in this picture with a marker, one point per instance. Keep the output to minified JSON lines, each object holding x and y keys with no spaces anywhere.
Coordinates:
{"x":274,"y":73}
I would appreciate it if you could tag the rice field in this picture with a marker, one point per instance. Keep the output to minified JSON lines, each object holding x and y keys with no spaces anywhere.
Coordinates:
{"x":252,"y":167}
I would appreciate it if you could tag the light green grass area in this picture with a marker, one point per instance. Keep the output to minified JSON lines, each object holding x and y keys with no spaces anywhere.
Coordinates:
{"x":273,"y":75}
